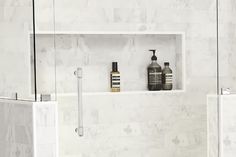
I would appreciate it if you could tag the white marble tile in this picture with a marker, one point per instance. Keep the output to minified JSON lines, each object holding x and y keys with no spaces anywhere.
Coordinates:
{"x":121,"y":124}
{"x":182,"y":118}
{"x":228,"y":115}
{"x":227,"y":123}
{"x":23,"y":131}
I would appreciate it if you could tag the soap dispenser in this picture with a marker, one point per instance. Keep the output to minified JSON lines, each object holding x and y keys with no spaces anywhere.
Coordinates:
{"x":154,"y":74}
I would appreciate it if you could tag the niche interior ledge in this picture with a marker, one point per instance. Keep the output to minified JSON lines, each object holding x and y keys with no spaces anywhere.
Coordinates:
{"x":28,"y":129}
{"x":107,"y":32}
{"x":124,"y":93}
{"x":94,"y":52}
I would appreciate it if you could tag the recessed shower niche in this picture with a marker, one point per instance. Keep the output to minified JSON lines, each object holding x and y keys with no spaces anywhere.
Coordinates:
{"x":95,"y":52}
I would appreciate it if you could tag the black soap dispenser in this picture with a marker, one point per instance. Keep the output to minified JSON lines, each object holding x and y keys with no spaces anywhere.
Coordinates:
{"x":154,"y":74}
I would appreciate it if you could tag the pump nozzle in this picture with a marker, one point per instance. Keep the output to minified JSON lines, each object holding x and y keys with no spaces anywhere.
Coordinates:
{"x":154,"y":56}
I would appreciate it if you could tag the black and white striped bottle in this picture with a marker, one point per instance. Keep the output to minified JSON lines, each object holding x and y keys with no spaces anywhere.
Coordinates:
{"x":115,"y":78}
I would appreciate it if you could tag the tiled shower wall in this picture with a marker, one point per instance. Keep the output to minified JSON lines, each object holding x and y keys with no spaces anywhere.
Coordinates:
{"x":228,"y":128}
{"x":227,"y":123}
{"x":16,"y":130}
{"x":28,"y":129}
{"x":143,"y":125}
{"x":196,"y":19}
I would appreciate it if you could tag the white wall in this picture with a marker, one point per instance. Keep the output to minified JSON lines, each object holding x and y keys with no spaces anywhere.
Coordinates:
{"x":139,"y":124}
{"x":183,"y":118}
{"x":28,"y":129}
{"x":227,"y":44}
{"x":124,"y":125}
{"x":227,"y":124}
{"x":228,"y":129}
{"x":143,"y":125}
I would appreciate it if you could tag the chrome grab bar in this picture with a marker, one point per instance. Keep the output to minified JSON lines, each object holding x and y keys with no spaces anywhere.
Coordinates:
{"x":80,"y":130}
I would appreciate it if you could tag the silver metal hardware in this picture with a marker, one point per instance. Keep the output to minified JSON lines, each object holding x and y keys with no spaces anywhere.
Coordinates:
{"x":225,"y":91}
{"x":78,"y":73}
{"x":15,"y":96}
{"x":45,"y":97}
{"x":80,"y":130}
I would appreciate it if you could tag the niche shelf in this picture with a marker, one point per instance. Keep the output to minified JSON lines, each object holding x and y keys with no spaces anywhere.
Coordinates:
{"x":94,"y":52}
{"x":144,"y":92}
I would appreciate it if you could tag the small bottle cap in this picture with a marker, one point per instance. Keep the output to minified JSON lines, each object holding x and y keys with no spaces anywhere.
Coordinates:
{"x":114,"y":66}
{"x":166,"y":63}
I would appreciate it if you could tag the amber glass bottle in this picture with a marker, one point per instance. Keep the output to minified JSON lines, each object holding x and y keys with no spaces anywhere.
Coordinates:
{"x":167,"y":77}
{"x":115,"y":78}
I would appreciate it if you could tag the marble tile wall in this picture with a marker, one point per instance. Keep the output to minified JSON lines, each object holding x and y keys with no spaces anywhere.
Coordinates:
{"x":142,"y":125}
{"x":46,"y":129}
{"x":227,"y":123}
{"x":87,"y":15}
{"x":171,"y":125}
{"x":28,"y":129}
{"x":16,"y":133}
{"x":212,"y":126}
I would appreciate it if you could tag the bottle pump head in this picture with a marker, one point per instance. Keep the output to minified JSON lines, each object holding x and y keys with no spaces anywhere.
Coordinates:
{"x":114,"y":66}
{"x":154,"y":57}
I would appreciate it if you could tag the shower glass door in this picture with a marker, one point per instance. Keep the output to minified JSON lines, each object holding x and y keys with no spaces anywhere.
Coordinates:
{"x":22,"y":68}
{"x":16,"y":25}
{"x":227,"y":77}
{"x":227,"y":46}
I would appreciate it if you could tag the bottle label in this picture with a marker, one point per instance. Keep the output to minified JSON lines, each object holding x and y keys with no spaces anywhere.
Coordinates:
{"x":168,"y":78}
{"x":154,"y":78}
{"x":115,"y":80}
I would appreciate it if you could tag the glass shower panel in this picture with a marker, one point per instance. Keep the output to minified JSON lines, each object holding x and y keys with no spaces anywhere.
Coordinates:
{"x":22,"y":67}
{"x":16,"y":25}
{"x":227,"y":45}
{"x":135,"y":121}
{"x":227,"y":80}
{"x":45,"y":51}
